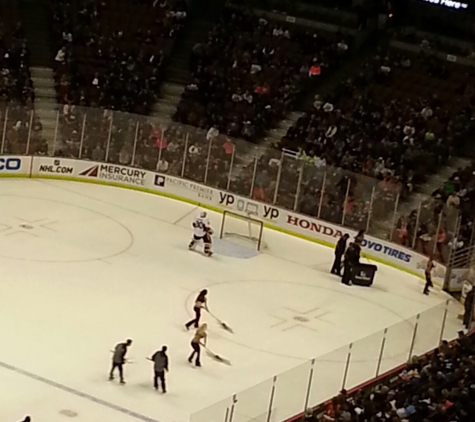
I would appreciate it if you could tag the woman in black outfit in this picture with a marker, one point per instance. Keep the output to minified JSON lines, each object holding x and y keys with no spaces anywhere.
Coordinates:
{"x":200,"y":303}
{"x":429,"y":267}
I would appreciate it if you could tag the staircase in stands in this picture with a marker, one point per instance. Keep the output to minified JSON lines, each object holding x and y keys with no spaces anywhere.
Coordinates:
{"x":36,"y":22}
{"x":202,"y":16}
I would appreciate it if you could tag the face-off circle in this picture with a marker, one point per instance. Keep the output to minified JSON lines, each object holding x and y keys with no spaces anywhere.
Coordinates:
{"x":37,"y":229}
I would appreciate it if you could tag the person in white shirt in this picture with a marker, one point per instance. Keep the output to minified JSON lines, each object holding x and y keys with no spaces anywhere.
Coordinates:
{"x":328,"y":107}
{"x":61,"y":55}
{"x":453,"y":201}
{"x":277,"y":32}
{"x":202,"y":231}
{"x":213,"y":133}
{"x":162,"y":165}
{"x":426,"y":112}
{"x":247,"y":96}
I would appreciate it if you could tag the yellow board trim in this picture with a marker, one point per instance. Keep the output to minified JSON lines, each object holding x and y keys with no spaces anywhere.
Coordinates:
{"x":17,"y":176}
{"x":211,"y":208}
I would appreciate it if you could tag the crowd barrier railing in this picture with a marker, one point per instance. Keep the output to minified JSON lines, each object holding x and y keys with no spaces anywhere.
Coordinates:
{"x":274,"y":177}
{"x":329,"y":193}
{"x":317,"y":380}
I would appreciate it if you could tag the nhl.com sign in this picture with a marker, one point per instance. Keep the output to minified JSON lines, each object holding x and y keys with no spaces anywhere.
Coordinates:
{"x":55,"y":168}
{"x":117,"y":174}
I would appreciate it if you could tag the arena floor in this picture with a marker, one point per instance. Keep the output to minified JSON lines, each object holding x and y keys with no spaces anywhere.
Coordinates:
{"x":87,"y":266}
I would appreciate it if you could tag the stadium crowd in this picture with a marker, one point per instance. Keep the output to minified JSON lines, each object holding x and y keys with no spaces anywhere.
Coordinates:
{"x":356,"y":153}
{"x":98,"y":61}
{"x":437,"y":387}
{"x":17,"y":113}
{"x":349,"y":158}
{"x":456,"y":198}
{"x":380,"y":132}
{"x":246,"y":76}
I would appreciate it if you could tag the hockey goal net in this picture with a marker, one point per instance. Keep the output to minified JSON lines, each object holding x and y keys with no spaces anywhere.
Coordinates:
{"x":242,"y":229}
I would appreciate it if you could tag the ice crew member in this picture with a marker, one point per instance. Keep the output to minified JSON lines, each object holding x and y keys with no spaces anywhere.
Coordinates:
{"x":359,"y":237}
{"x":339,"y":252}
{"x":429,"y":267}
{"x":352,"y":258}
{"x":118,"y":360}
{"x":160,"y":360}
{"x":200,"y":303}
{"x":199,"y":339}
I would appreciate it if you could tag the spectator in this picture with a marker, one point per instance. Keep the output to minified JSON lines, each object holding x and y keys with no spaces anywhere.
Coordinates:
{"x":99,"y":63}
{"x":453,"y":201}
{"x":98,"y":154}
{"x":432,"y":388}
{"x":61,"y":55}
{"x":248,"y":73}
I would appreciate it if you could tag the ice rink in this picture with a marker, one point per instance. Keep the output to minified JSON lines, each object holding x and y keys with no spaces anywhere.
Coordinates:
{"x":87,"y":266}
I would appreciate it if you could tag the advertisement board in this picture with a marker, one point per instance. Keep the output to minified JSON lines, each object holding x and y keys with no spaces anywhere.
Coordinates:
{"x":328,"y":234}
{"x":14,"y":166}
{"x":272,"y":216}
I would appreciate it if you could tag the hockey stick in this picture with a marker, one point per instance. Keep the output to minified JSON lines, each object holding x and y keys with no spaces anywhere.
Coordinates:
{"x":126,"y":360}
{"x":216,"y":357}
{"x":224,"y":326}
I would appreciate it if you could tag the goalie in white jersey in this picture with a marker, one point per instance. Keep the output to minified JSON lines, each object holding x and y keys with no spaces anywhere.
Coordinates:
{"x":202,"y":231}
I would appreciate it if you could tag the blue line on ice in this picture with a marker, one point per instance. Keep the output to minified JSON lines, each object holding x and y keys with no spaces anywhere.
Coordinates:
{"x":77,"y":393}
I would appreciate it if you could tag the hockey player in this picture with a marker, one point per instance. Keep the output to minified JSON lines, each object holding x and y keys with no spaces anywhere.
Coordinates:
{"x":200,"y":303}
{"x":118,"y":360}
{"x":202,"y":231}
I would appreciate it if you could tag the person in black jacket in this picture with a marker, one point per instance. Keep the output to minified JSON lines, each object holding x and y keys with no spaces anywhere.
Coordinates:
{"x":428,"y":274}
{"x":339,"y":252}
{"x":359,"y":237}
{"x":118,"y":360}
{"x":352,"y":257}
{"x":160,"y":360}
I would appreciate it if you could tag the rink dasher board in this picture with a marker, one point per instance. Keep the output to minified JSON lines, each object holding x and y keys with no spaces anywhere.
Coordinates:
{"x":273,"y":217}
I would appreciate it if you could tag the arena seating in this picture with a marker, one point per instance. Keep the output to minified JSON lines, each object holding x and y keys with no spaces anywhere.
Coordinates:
{"x":17,"y":116}
{"x":439,"y":215}
{"x":111,"y":53}
{"x":247,"y":75}
{"x":437,"y":387}
{"x":401,"y":109}
{"x":383,"y":130}
{"x":336,"y":12}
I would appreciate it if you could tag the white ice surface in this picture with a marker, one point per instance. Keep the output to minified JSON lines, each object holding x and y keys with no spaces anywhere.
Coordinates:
{"x":86,"y":266}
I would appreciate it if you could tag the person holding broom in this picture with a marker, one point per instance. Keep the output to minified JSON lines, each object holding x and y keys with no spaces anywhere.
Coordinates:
{"x":199,"y":339}
{"x":200,"y":303}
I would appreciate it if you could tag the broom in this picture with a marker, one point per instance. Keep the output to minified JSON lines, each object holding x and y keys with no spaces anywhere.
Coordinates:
{"x":216,"y":357}
{"x":224,"y":326}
